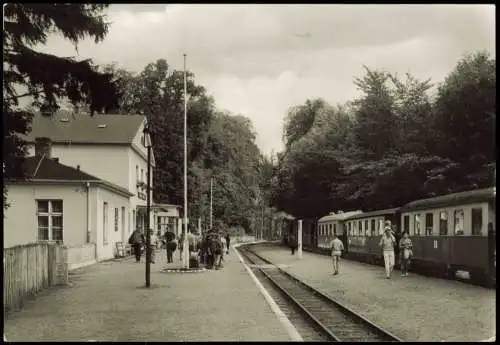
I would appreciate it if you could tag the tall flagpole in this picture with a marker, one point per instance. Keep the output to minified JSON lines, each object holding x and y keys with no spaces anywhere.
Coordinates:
{"x":185,"y":255}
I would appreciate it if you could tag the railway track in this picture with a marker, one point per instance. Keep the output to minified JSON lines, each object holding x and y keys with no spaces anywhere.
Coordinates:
{"x":334,"y":321}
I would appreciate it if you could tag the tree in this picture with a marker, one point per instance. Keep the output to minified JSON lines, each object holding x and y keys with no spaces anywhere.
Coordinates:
{"x":465,"y":114}
{"x":45,"y":78}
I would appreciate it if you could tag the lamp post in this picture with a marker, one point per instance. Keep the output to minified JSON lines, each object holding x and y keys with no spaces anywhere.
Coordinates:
{"x":147,"y":143}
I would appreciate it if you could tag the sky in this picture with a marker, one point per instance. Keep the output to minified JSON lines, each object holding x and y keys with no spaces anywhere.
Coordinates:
{"x":260,"y":60}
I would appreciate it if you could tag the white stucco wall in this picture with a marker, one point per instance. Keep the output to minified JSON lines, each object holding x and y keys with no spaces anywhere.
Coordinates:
{"x":107,"y":162}
{"x":107,"y":250}
{"x":20,"y":219}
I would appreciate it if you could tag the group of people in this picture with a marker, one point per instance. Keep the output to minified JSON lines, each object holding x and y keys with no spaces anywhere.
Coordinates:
{"x":388,"y":243}
{"x":208,"y":250}
{"x":212,"y":248}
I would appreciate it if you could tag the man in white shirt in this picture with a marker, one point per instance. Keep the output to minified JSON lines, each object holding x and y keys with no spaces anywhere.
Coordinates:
{"x":337,"y":247}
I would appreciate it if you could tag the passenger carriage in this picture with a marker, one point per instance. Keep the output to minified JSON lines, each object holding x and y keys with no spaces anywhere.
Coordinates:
{"x":454,"y":233}
{"x":364,"y":231}
{"x":332,"y":224}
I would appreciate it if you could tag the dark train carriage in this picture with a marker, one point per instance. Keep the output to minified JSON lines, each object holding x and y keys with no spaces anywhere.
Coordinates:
{"x":454,"y":234}
{"x":364,"y":231}
{"x":309,"y":233}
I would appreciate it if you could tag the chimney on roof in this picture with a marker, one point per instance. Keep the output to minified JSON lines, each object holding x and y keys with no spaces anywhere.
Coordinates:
{"x":43,"y":146}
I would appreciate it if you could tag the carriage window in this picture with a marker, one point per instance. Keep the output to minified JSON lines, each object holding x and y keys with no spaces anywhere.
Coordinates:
{"x":429,"y":224}
{"x":366,"y":227}
{"x":417,"y":225}
{"x":459,"y":222}
{"x":443,"y":223}
{"x":373,"y":227}
{"x":360,"y":227}
{"x":406,"y":224}
{"x":477,"y":221}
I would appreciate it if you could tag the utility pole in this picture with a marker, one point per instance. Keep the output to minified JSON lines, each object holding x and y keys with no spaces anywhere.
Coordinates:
{"x":185,"y":255}
{"x":211,"y":200}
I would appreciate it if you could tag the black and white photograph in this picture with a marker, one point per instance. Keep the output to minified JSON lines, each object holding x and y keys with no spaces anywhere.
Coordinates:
{"x":249,"y":172}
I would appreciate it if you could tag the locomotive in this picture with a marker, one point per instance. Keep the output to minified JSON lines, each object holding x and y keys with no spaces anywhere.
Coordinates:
{"x":453,"y":235}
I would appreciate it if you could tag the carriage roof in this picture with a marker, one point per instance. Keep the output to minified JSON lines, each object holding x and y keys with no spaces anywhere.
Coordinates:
{"x":462,"y":198}
{"x":338,"y":216}
{"x":386,"y":212}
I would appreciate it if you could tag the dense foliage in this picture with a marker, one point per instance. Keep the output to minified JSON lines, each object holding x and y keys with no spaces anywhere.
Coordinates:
{"x":44,"y":78}
{"x":394,"y":144}
{"x":220,"y":145}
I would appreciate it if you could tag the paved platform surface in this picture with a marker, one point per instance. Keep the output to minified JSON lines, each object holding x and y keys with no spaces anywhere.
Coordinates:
{"x":414,"y":308}
{"x":107,"y":301}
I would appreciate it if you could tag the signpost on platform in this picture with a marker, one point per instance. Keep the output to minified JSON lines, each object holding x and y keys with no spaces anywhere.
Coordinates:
{"x":299,"y":240}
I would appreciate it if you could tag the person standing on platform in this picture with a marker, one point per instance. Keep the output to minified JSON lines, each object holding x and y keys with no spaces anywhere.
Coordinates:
{"x":387,"y":243}
{"x":337,"y":247}
{"x":405,"y":247}
{"x":293,"y":243}
{"x":224,"y":246}
{"x":137,"y":240}
{"x":153,"y":239}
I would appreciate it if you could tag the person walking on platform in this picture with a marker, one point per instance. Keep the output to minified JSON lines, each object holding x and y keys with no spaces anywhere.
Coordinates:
{"x":228,"y":240}
{"x":387,"y":243}
{"x":405,"y":247}
{"x":137,"y":240}
{"x":337,"y":247}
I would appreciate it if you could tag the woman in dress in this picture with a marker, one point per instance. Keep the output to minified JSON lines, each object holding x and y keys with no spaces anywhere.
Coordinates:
{"x":405,"y":247}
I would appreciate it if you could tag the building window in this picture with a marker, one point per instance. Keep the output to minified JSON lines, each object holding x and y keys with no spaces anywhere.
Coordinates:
{"x":137,"y":173}
{"x":143,"y":140}
{"x":105,"y":223}
{"x":443,"y":223}
{"x":477,"y":221}
{"x":459,"y":222}
{"x":116,"y":219}
{"x":349,"y":226}
{"x":330,"y":226}
{"x":50,"y":220}
{"x":123,"y":221}
{"x":418,"y":224}
{"x":360,"y":228}
{"x":406,"y":224}
{"x":366,"y":228}
{"x":373,"y":227}
{"x":335,"y":228}
{"x":429,"y":224}
{"x":142,"y":175}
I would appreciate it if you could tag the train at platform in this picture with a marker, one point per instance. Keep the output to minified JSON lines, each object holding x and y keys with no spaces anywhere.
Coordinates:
{"x":453,"y":235}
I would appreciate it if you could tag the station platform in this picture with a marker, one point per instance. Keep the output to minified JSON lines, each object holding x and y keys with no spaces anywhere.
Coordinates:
{"x":108,"y":302}
{"x":414,"y":308}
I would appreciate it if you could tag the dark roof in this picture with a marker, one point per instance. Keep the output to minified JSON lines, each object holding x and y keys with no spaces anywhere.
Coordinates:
{"x":40,"y":169}
{"x":65,"y":126}
{"x":462,"y":198}
{"x":374,"y":213}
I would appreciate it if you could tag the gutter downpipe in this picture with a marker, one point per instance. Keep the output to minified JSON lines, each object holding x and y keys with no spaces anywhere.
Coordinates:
{"x":87,"y":184}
